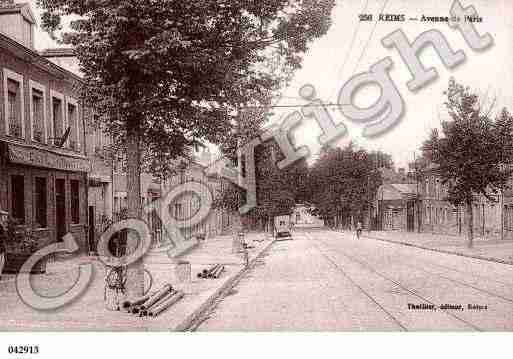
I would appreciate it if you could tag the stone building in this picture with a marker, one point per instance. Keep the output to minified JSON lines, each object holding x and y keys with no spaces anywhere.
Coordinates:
{"x":43,"y":162}
{"x":439,"y":216}
{"x":429,"y":211}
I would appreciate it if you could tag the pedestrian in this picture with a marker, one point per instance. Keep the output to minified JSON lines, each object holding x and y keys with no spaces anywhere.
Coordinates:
{"x":358,"y":229}
{"x":3,"y":238}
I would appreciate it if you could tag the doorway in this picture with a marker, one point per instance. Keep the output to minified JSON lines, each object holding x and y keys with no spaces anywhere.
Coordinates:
{"x":60,"y":208}
{"x":410,"y":216}
{"x":92,"y":229}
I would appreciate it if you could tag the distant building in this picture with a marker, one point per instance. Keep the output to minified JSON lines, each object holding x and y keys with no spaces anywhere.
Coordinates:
{"x":390,"y":175}
{"x":302,"y":218}
{"x":218,"y":221}
{"x":423,"y":206}
{"x":64,"y":57}
{"x":396,"y":206}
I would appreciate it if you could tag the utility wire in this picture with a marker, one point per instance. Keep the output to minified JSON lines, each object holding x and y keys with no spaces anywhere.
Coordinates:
{"x":369,"y":39}
{"x":355,"y":32}
{"x":330,"y":104}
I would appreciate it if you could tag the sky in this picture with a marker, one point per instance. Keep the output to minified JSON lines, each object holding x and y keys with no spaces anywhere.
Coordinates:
{"x":490,"y":72}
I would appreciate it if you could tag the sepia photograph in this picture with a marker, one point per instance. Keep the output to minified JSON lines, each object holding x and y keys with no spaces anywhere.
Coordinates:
{"x":254,"y":166}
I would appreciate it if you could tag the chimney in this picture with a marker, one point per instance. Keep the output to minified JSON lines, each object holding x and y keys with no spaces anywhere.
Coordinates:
{"x":17,"y":22}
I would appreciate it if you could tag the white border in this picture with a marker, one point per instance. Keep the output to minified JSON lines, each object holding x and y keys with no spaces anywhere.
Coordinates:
{"x":34,"y":85}
{"x":9,"y":74}
{"x":236,"y":345}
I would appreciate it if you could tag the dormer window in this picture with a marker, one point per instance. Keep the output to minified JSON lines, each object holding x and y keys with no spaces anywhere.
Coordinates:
{"x":17,"y":21}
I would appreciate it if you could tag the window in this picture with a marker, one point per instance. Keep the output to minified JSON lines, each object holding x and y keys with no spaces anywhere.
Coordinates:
{"x":40,"y":202}
{"x":18,"y":198}
{"x":37,"y":112}
{"x":57,"y":119}
{"x":120,"y":165}
{"x":14,"y":109}
{"x":75,"y":201}
{"x":58,"y":126}
{"x":14,"y":104}
{"x":178,"y":211}
{"x":37,"y":115}
{"x":73,"y":125}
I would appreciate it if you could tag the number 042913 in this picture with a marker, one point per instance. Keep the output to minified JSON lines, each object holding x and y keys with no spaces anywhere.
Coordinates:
{"x":23,"y":349}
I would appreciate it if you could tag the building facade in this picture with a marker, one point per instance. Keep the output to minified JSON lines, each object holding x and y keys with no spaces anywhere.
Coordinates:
{"x":423,"y":207}
{"x":396,"y":206}
{"x":219,"y":221}
{"x":43,"y":162}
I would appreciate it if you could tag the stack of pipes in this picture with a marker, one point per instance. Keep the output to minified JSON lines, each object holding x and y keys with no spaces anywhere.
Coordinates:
{"x":155,"y":303}
{"x":207,"y":273}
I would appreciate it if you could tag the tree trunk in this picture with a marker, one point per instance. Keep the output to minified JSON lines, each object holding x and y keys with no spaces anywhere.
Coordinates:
{"x":470,"y":215}
{"x":135,"y":279}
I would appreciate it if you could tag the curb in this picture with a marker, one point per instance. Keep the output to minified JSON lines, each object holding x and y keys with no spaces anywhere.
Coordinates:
{"x":489,"y":259}
{"x":188,"y":322}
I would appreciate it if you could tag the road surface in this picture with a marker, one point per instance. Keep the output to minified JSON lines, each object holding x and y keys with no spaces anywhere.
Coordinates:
{"x":329,"y":281}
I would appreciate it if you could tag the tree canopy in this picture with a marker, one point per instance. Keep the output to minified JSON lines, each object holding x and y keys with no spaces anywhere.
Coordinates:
{"x":179,"y":71}
{"x":472,"y":151}
{"x":163,"y":74}
{"x":343,"y":181}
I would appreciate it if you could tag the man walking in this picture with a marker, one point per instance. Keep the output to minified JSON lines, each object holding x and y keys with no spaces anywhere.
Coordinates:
{"x":358,"y":229}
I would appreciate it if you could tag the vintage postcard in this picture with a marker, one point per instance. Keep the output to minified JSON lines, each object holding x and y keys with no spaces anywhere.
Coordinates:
{"x":255,"y":166}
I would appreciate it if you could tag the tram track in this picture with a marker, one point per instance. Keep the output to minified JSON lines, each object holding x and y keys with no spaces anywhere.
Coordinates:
{"x":387,"y":278}
{"x":404,"y":260}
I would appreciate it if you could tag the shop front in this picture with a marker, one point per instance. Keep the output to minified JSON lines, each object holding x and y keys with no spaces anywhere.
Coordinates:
{"x":45,"y":192}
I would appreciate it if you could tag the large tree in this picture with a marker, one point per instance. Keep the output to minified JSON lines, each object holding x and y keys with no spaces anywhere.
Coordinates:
{"x":343,"y":182}
{"x":277,"y":190}
{"x":165,"y":73}
{"x":471,"y":151}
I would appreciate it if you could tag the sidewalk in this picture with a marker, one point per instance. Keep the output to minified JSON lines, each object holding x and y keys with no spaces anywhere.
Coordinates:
{"x":88,"y":311}
{"x":494,"y":250}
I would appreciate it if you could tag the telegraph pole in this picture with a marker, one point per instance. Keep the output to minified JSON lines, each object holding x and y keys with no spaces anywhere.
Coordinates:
{"x":417,"y":199}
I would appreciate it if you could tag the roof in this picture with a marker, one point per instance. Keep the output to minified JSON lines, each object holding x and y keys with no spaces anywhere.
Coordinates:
{"x":406,"y":188}
{"x":58,"y":52}
{"x":14,"y":8}
{"x":27,"y":54}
